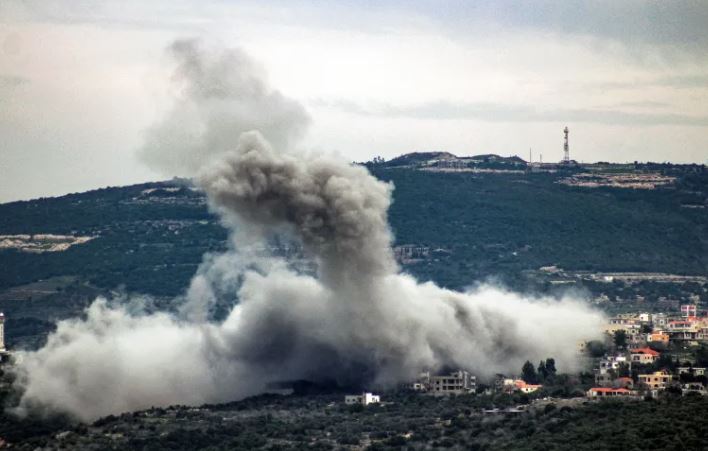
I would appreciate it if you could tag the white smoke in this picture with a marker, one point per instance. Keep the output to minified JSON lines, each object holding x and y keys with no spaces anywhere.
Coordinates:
{"x":357,"y":319}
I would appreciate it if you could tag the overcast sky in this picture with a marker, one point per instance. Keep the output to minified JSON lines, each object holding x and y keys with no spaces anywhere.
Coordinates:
{"x":81,"y":81}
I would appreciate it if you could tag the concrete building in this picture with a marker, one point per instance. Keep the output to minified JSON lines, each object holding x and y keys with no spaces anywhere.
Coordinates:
{"x":644,"y":355}
{"x":658,"y":337}
{"x":415,"y":386}
{"x":456,"y":383}
{"x":608,"y":370}
{"x":689,"y":310}
{"x":364,"y":399}
{"x":658,"y":380}
{"x":691,"y":370}
{"x":612,"y":363}
{"x":631,"y":328}
{"x":659,"y":320}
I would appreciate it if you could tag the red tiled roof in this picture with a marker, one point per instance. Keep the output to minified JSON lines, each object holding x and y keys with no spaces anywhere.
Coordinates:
{"x":649,"y":351}
{"x":609,"y":390}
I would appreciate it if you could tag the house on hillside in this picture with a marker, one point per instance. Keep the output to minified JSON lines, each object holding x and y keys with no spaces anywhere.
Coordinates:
{"x":684,"y":330}
{"x":458,"y":382}
{"x":364,"y":399}
{"x":512,"y":385}
{"x":693,"y":387}
{"x":658,"y":337}
{"x":657,"y":380}
{"x":691,"y":370}
{"x":607,"y":392}
{"x":644,"y":355}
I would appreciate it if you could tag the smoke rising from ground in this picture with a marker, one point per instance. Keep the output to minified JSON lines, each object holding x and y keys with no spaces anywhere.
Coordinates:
{"x":356,"y":319}
{"x":219,"y":94}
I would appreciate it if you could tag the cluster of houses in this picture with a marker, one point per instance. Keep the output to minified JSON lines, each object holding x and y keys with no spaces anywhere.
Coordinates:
{"x":459,"y":382}
{"x":646,"y":328}
{"x":625,"y":374}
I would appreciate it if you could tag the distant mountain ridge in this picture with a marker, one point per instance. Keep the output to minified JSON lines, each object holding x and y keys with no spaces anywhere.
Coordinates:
{"x":456,"y":221}
{"x":422,"y":159}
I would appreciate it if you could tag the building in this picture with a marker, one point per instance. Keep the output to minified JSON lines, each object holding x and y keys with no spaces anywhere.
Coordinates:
{"x":644,"y":355}
{"x":608,"y":370}
{"x":415,"y":386}
{"x":689,"y":310}
{"x":364,"y":399}
{"x":691,"y":370}
{"x":659,"y":320}
{"x":506,"y":385}
{"x":606,"y":392}
{"x":684,"y":330}
{"x":456,"y":383}
{"x":523,"y":387}
{"x":608,"y":363}
{"x":658,"y":380}
{"x":693,"y":387}
{"x":631,"y":328}
{"x":658,"y":337}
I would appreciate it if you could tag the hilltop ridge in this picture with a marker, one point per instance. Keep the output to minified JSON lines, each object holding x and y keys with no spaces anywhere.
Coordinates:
{"x":586,"y":227}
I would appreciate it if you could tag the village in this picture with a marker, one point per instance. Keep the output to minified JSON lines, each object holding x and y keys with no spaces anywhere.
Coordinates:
{"x":643,"y":355}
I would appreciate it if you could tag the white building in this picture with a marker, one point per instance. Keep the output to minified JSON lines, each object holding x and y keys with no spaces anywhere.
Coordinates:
{"x":364,"y":398}
{"x":612,"y":363}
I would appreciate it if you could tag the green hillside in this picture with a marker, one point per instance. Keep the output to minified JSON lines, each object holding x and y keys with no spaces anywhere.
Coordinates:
{"x":464,"y":227}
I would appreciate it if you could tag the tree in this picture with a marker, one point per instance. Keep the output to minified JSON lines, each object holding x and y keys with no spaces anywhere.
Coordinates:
{"x":620,"y":338}
{"x":542,"y":371}
{"x":528,"y":373}
{"x":551,"y":366}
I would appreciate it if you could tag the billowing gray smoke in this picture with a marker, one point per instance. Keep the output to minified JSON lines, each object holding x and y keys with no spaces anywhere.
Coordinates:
{"x":219,"y":94}
{"x":357,"y":319}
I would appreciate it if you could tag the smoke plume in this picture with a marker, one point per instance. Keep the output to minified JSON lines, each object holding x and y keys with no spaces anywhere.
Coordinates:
{"x":356,"y":318}
{"x":219,"y":94}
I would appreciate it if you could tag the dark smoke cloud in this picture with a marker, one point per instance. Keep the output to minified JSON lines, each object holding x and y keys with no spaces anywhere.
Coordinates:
{"x":337,"y":210}
{"x":219,"y":95}
{"x":356,"y":319}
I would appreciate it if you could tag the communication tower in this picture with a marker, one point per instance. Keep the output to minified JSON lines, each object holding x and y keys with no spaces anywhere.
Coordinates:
{"x":566,"y":150}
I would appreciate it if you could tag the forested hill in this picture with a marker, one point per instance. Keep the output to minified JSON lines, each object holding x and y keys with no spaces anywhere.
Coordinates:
{"x":534,"y":228}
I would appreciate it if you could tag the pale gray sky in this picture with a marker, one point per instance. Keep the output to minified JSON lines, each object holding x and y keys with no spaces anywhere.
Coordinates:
{"x":81,"y":81}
